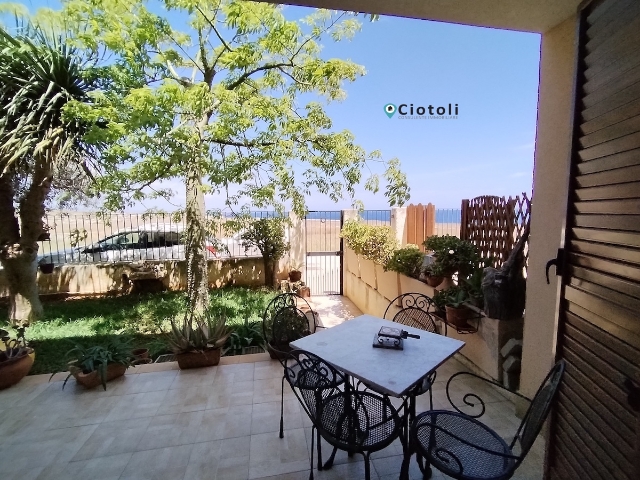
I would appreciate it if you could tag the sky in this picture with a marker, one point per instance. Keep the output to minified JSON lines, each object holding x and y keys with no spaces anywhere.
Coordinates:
{"x":492,"y":75}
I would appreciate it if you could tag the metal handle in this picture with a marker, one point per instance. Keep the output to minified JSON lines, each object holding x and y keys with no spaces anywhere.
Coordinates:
{"x":633,"y":389}
{"x":557,"y":262}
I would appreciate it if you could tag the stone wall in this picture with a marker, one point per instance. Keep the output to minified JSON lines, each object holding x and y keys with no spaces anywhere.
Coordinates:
{"x":100,"y":279}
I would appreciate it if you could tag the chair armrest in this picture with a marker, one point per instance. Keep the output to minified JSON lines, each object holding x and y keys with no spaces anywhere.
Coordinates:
{"x":473,"y":400}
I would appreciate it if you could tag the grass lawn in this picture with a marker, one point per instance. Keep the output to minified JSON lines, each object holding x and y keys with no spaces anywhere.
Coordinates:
{"x":142,"y":318}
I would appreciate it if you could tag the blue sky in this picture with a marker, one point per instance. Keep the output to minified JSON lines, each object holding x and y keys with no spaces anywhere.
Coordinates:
{"x":491,"y":74}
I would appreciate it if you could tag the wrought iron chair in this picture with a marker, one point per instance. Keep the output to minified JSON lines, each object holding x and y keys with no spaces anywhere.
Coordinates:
{"x":415,"y":310}
{"x":284,"y":322}
{"x":460,"y":446}
{"x":348,"y":419}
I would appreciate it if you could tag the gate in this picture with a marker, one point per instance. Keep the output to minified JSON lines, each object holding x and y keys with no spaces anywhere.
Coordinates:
{"x":323,"y":272}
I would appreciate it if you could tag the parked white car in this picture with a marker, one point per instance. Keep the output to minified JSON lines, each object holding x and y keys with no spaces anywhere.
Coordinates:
{"x":148,"y":242}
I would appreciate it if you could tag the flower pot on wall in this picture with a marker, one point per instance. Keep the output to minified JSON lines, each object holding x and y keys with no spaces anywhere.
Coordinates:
{"x":458,"y":316}
{"x":434,"y":281}
{"x":206,"y":358}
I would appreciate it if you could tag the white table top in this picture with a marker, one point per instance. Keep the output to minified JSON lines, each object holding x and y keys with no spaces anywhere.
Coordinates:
{"x":348,"y":347}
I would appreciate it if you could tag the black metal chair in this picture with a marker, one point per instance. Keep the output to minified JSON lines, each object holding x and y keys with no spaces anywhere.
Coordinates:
{"x":348,"y":419}
{"x":415,"y":310}
{"x":460,"y":446}
{"x":284,"y":322}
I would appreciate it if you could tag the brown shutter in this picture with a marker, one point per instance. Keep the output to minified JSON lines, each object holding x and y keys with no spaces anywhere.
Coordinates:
{"x":594,"y":431}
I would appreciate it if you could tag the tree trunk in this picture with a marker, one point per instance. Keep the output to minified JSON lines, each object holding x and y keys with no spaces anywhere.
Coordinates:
{"x":21,"y":270}
{"x":18,"y":252}
{"x":197,"y":275}
{"x":270,"y":279}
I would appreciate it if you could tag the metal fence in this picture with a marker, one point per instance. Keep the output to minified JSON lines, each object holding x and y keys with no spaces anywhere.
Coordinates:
{"x":376,"y":217}
{"x":92,"y":238}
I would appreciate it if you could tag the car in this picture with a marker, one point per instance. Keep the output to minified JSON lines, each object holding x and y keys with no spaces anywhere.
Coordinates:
{"x":147,"y":242}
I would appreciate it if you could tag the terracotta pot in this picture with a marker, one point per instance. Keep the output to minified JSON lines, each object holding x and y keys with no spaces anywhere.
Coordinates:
{"x":14,"y":370}
{"x":140,"y":353}
{"x":458,"y":316}
{"x":434,"y":281}
{"x":295,"y":276}
{"x":92,"y":379}
{"x":207,"y":358}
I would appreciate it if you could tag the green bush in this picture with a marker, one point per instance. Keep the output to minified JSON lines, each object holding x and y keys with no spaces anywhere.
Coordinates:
{"x":406,"y":260}
{"x":376,"y":243}
{"x":452,"y":255}
{"x":268,"y":236}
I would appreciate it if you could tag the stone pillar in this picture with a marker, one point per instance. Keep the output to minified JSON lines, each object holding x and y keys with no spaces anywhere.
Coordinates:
{"x":399,"y":224}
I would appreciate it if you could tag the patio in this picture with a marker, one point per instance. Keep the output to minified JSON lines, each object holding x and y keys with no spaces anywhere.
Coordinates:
{"x":158,"y":422}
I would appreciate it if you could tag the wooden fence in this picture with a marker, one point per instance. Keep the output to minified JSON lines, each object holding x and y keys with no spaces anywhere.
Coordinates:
{"x":421,"y":223}
{"x":495,"y":224}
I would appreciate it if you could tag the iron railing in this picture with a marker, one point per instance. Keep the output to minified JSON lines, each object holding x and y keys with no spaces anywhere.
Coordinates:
{"x":448,"y":221}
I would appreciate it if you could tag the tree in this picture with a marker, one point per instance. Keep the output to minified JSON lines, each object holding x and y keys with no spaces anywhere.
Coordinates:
{"x":230,"y":104}
{"x":268,"y":236}
{"x":39,"y":75}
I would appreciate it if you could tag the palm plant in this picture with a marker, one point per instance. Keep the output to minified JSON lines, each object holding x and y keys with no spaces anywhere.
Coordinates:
{"x":39,"y":145}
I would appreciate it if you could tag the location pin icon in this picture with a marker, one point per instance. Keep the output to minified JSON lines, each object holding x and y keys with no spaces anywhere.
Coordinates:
{"x":390,"y":109}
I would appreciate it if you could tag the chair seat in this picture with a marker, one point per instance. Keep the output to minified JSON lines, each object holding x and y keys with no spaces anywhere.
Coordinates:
{"x":457,"y":446}
{"x":370,"y":423}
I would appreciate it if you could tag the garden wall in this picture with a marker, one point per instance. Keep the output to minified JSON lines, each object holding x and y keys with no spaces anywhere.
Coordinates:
{"x":371,"y":289}
{"x":100,"y":279}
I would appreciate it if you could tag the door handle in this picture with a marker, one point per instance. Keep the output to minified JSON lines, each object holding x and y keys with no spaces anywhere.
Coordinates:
{"x":557,"y":262}
{"x":633,"y":391}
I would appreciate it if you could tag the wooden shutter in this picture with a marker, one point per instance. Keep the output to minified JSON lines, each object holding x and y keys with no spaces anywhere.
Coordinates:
{"x":595,"y":432}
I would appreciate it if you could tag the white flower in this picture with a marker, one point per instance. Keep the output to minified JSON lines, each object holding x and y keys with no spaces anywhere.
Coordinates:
{"x":451,"y":252}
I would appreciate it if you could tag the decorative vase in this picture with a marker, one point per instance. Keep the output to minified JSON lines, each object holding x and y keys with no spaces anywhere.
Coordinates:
{"x":295,"y":276}
{"x":458,"y":316}
{"x":205,"y":358}
{"x":434,"y":281}
{"x":14,"y":369}
{"x":92,"y":379}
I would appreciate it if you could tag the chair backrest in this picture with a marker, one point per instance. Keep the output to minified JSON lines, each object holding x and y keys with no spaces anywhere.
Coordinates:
{"x":538,"y":409}
{"x":347,"y":418}
{"x":284,"y":300}
{"x":414,"y":311}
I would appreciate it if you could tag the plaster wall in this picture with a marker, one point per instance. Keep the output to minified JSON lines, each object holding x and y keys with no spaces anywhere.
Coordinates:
{"x":550,"y":191}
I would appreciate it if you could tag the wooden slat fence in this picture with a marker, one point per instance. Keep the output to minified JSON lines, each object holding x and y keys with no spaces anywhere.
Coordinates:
{"x":421,"y":223}
{"x":495,"y":224}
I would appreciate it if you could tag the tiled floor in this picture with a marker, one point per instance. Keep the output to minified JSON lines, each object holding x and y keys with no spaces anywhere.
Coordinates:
{"x":215,"y":423}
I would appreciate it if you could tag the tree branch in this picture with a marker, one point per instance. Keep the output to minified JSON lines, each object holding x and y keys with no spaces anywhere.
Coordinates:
{"x":211,"y":24}
{"x":246,"y":75}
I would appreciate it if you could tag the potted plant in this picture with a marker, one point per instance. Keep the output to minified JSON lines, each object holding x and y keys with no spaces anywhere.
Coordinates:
{"x":16,"y":359}
{"x":435,"y":274}
{"x":440,"y":302}
{"x":98,"y":364}
{"x":140,"y":354}
{"x":295,"y":272}
{"x":197,"y":339}
{"x":407,"y":261}
{"x":457,"y":312}
{"x":452,"y":255}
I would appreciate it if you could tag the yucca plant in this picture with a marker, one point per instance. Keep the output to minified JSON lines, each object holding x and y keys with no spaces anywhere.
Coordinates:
{"x":39,"y":146}
{"x":198,"y":332}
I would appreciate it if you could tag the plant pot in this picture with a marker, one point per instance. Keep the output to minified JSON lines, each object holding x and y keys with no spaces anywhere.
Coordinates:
{"x":295,"y":276}
{"x":14,"y":370}
{"x":92,"y":379}
{"x":458,"y":316}
{"x":206,"y":358}
{"x":46,"y":267}
{"x":140,"y":353}
{"x":434,"y":281}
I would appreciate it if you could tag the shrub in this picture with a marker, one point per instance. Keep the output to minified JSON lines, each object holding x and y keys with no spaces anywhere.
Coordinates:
{"x":375,"y":243}
{"x":268,"y":235}
{"x":452,"y":255}
{"x":406,"y":260}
